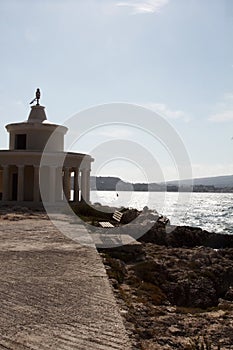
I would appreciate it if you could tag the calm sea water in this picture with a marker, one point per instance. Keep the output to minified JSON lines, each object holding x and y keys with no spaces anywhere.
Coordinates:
{"x":210,"y":211}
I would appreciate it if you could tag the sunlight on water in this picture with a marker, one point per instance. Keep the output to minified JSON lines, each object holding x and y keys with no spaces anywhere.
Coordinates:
{"x":210,"y":211}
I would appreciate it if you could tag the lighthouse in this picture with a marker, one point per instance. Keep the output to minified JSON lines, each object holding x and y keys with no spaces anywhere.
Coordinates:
{"x":23,"y":174}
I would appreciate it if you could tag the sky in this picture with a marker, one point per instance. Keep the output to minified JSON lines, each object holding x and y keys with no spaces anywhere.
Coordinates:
{"x":174,"y":57}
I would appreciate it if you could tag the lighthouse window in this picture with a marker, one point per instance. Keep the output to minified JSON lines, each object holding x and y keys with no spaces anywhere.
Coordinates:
{"x":20,"y":141}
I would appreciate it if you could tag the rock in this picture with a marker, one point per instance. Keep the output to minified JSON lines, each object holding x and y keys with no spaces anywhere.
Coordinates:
{"x":225,"y":304}
{"x":129,"y":215}
{"x":129,"y":252}
{"x":229,"y":294}
{"x":114,"y":282}
{"x":174,"y":330}
{"x":199,"y":293}
{"x":194,"y":281}
{"x":185,"y":236}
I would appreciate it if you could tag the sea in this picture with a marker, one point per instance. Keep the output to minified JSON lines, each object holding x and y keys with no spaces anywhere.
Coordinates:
{"x":210,"y":211}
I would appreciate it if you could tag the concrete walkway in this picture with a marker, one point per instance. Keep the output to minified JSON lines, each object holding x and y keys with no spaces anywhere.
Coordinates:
{"x":54,"y":293}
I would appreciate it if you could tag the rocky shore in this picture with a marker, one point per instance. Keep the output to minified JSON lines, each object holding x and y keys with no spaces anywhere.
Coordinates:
{"x":176,"y":292}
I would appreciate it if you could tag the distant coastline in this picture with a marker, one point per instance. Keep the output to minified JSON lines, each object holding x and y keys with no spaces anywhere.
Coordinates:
{"x":220,"y":184}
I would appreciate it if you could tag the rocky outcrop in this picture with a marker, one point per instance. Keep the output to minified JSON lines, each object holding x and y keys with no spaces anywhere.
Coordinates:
{"x":163,"y":233}
{"x":195,"y":277}
{"x":186,"y":236}
{"x":174,"y":293}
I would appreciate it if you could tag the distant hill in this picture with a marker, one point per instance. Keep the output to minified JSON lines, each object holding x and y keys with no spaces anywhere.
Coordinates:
{"x":206,"y":184}
{"x":109,"y":183}
{"x":216,"y":181}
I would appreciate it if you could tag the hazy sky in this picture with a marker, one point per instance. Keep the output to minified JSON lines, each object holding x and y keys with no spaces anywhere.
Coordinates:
{"x":174,"y":56}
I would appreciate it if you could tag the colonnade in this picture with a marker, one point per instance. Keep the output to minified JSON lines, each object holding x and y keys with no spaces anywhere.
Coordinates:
{"x":81,"y":184}
{"x":21,"y":184}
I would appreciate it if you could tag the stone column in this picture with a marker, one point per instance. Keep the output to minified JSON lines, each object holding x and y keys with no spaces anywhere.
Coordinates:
{"x":5,"y":183}
{"x":36,"y":184}
{"x":52,"y":183}
{"x":66,"y":183}
{"x":59,"y":191}
{"x":85,"y":185}
{"x":76,"y":185}
{"x":20,"y":189}
{"x":88,"y":172}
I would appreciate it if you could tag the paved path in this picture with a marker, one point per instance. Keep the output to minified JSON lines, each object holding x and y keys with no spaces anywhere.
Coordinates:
{"x":54,"y":293}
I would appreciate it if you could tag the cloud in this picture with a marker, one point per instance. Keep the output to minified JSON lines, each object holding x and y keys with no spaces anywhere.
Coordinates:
{"x":224,"y":116}
{"x":165,"y":111}
{"x":223,"y":109}
{"x":140,"y":6}
{"x":228,"y":96}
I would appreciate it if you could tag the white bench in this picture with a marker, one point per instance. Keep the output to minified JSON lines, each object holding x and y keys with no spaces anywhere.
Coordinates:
{"x":106,"y":224}
{"x":116,"y":216}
